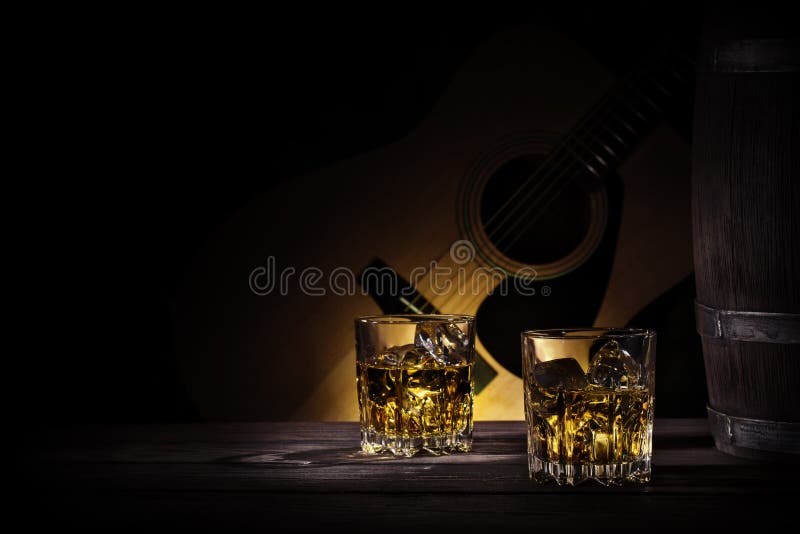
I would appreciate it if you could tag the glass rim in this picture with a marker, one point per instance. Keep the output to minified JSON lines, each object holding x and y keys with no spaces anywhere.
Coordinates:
{"x":410,"y":318}
{"x":593,"y":332}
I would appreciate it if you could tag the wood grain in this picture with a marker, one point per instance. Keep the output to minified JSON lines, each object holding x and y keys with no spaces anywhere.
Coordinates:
{"x":313,"y":475}
{"x":746,"y":226}
{"x":746,"y":191}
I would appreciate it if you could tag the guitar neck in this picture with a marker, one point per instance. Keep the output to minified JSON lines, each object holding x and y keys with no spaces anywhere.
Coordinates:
{"x":612,"y":129}
{"x":392,"y":293}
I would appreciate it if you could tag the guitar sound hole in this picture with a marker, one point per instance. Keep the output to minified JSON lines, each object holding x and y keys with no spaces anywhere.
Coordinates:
{"x":538,"y":231}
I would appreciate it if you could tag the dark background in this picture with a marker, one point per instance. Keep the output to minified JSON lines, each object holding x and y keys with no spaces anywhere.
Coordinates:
{"x":160,"y":130}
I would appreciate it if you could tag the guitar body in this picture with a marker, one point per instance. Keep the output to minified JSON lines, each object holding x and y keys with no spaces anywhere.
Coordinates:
{"x":277,"y":353}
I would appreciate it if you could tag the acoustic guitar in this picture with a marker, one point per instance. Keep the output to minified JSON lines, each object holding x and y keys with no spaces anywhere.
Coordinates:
{"x":556,"y":185}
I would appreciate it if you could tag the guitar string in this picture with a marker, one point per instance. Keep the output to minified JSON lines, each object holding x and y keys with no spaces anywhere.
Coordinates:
{"x":550,"y":167}
{"x":588,"y":116}
{"x":553,"y":168}
{"x":643,"y":96}
{"x":660,"y":57}
{"x":528,"y":222}
{"x":573,"y":166}
{"x":576,"y":168}
{"x":572,"y":171}
{"x":544,"y":200}
{"x":628,"y":83}
{"x":649,"y":123}
{"x":671,"y":71}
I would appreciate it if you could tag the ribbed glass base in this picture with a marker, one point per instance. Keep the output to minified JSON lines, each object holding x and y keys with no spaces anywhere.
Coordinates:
{"x":373,"y":442}
{"x":573,"y":474}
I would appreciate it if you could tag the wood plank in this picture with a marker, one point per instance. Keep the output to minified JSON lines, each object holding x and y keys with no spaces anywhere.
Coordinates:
{"x":326,"y":457}
{"x":248,"y":442}
{"x":388,"y":512}
{"x":313,"y":474}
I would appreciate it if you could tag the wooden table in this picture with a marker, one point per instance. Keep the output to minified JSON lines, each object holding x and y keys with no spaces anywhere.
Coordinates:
{"x":312,"y":476}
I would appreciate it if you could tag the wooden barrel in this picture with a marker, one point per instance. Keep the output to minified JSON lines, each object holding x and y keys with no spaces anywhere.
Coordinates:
{"x":746,"y":233}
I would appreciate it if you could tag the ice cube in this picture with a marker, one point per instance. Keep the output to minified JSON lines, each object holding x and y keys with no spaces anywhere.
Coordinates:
{"x":563,"y":372}
{"x":444,"y":341}
{"x":417,"y":358}
{"x":613,"y":367}
{"x":391,"y":356}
